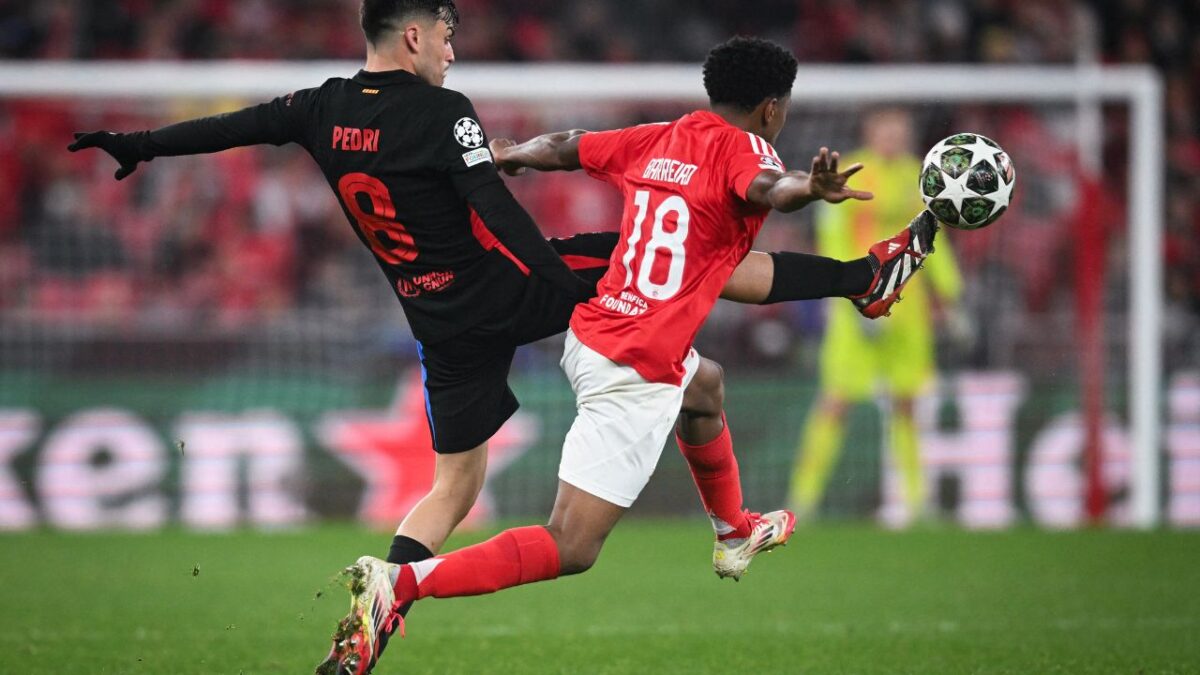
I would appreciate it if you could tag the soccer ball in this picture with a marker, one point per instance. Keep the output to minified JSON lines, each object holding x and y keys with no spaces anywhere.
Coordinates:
{"x":967,"y":181}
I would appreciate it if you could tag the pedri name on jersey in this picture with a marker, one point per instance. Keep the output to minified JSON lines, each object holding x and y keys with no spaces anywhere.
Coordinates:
{"x":669,"y":171}
{"x":355,"y":140}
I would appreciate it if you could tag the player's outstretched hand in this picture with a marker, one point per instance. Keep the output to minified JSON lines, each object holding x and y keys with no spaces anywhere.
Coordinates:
{"x":826,"y":183}
{"x":500,"y":155}
{"x":117,"y":145}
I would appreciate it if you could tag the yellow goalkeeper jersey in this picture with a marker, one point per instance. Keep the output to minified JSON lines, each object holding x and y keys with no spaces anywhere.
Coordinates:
{"x":855,"y":351}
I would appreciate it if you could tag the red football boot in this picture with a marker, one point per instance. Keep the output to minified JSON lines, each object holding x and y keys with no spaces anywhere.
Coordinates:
{"x":894,"y":262}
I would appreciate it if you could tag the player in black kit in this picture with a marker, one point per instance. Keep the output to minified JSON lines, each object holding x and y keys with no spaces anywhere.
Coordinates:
{"x":409,"y":162}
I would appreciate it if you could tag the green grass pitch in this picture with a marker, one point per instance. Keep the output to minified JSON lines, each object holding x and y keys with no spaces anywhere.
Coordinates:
{"x":843,"y":599}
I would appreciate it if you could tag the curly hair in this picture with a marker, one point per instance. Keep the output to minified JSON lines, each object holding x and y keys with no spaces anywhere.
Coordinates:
{"x":743,"y":71}
{"x":382,"y":16}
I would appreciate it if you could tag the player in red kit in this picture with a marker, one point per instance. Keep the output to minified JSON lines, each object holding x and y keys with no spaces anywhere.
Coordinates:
{"x":696,"y":191}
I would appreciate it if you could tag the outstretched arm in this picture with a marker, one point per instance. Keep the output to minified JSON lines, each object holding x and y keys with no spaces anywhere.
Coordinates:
{"x":767,"y":278}
{"x":792,"y":191}
{"x":558,"y":151}
{"x":276,"y":122}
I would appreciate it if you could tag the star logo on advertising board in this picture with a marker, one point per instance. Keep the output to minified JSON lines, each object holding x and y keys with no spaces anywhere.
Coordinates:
{"x":392,"y":452}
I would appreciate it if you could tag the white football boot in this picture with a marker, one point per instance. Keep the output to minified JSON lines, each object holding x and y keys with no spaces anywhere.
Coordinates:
{"x":360,"y":636}
{"x":732,"y":556}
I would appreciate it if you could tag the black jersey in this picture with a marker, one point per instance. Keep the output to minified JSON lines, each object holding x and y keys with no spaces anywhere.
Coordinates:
{"x":410,"y":165}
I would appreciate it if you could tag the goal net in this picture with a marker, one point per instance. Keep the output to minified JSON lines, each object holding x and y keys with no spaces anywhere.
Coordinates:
{"x":208,"y":343}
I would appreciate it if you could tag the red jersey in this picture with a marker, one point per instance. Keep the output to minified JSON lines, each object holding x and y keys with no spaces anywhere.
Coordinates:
{"x":686,"y":227}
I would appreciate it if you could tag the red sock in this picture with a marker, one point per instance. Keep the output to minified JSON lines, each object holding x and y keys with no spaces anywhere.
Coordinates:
{"x":715,"y":470}
{"x":513,"y":557}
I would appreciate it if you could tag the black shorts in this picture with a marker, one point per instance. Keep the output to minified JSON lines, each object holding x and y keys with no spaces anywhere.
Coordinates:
{"x":467,"y":397}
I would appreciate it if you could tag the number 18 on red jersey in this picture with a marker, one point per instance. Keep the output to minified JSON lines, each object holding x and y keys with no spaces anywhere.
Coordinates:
{"x":685,"y":228}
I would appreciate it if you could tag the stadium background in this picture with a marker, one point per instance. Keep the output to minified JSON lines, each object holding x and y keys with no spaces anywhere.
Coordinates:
{"x":205,"y":346}
{"x":207,"y":342}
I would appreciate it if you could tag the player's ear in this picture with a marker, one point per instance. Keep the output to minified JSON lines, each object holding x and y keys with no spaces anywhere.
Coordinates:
{"x":770,"y":110}
{"x":412,"y":37}
{"x":764,"y":112}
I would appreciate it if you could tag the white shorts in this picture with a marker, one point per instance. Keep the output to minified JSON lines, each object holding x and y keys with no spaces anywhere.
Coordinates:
{"x":621,"y":425}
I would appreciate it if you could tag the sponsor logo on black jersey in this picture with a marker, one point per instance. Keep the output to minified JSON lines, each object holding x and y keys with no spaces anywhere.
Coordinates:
{"x":431,"y":282}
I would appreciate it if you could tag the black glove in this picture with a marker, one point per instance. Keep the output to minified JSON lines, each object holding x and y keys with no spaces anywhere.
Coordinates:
{"x":120,"y":146}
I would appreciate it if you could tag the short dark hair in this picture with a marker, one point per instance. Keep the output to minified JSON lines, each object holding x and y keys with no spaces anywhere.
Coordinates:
{"x":744,"y":71}
{"x":381,"y":16}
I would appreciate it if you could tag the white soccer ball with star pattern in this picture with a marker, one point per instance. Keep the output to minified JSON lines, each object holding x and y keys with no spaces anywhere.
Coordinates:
{"x":967,"y":181}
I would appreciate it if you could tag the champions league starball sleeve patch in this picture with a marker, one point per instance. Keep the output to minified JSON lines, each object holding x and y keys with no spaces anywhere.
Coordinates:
{"x":468,"y":133}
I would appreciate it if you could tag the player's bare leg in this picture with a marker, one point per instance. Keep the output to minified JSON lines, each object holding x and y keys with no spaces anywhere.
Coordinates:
{"x":580,"y":523}
{"x":702,"y":418}
{"x":705,"y":442}
{"x":751,"y":281}
{"x":457,"y":481}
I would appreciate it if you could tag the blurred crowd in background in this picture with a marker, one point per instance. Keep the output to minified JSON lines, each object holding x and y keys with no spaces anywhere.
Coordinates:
{"x":241,"y":236}
{"x":1161,"y":31}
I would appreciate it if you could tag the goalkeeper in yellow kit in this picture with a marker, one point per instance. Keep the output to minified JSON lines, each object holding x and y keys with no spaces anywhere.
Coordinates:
{"x":858,"y":354}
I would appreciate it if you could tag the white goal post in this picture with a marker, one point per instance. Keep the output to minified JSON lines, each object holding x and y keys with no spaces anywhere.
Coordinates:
{"x":1139,"y":87}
